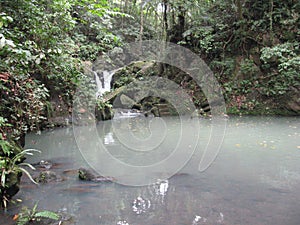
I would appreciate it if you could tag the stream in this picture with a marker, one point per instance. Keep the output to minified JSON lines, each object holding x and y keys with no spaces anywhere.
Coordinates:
{"x":254,"y":180}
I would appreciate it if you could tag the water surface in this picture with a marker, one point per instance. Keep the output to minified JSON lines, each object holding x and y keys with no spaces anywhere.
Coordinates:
{"x":254,"y":180}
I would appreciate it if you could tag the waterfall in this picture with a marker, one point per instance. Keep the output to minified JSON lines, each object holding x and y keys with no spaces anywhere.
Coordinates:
{"x":98,"y":84}
{"x":103,"y":84}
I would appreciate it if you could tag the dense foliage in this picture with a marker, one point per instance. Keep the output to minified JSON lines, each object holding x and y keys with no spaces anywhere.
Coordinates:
{"x":42,"y":46}
{"x":252,"y":46}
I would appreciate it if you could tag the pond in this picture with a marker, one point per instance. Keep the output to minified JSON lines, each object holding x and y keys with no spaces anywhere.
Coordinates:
{"x":255,"y":178}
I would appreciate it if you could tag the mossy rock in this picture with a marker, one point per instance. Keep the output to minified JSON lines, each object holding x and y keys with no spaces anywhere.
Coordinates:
{"x":47,"y":177}
{"x":12,"y":185}
{"x":88,"y":175}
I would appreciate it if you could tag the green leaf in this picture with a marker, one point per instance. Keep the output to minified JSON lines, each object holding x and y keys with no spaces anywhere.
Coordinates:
{"x":3,"y":178}
{"x":34,"y":208}
{"x":2,"y":42}
{"x":48,"y":215}
{"x":5,"y":146}
{"x":28,"y":175}
{"x":27,"y":164}
{"x":23,"y":220}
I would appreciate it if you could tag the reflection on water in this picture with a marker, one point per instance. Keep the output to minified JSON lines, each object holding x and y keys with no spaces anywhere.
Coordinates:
{"x":140,"y":205}
{"x":255,"y":179}
{"x":161,"y":188}
{"x":109,"y":139}
{"x":123,"y":222}
{"x":198,"y":220}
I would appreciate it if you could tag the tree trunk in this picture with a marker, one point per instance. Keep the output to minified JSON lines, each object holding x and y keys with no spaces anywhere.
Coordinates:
{"x":141,"y":27}
{"x":165,"y":16}
{"x":239,"y":9}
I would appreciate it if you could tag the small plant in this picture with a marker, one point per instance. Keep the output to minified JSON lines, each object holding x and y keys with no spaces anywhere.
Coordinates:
{"x":29,"y":215}
{"x":11,"y":172}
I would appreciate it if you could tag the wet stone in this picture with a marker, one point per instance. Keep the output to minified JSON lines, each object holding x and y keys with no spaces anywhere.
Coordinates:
{"x":43,"y":165}
{"x":88,"y":175}
{"x":48,"y":177}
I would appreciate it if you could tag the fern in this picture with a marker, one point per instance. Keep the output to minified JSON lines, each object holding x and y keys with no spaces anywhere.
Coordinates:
{"x":47,"y":214}
{"x":27,"y":215}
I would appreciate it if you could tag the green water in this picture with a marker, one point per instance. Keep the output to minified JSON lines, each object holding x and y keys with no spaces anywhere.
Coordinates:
{"x":254,"y":180}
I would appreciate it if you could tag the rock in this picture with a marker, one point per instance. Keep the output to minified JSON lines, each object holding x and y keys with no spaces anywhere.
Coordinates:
{"x":47,"y":177}
{"x":12,"y":185}
{"x":87,"y":68}
{"x":294,"y":101}
{"x":43,"y":164}
{"x":88,"y":175}
{"x":127,"y":101}
{"x":60,"y":121}
{"x":294,"y":106}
